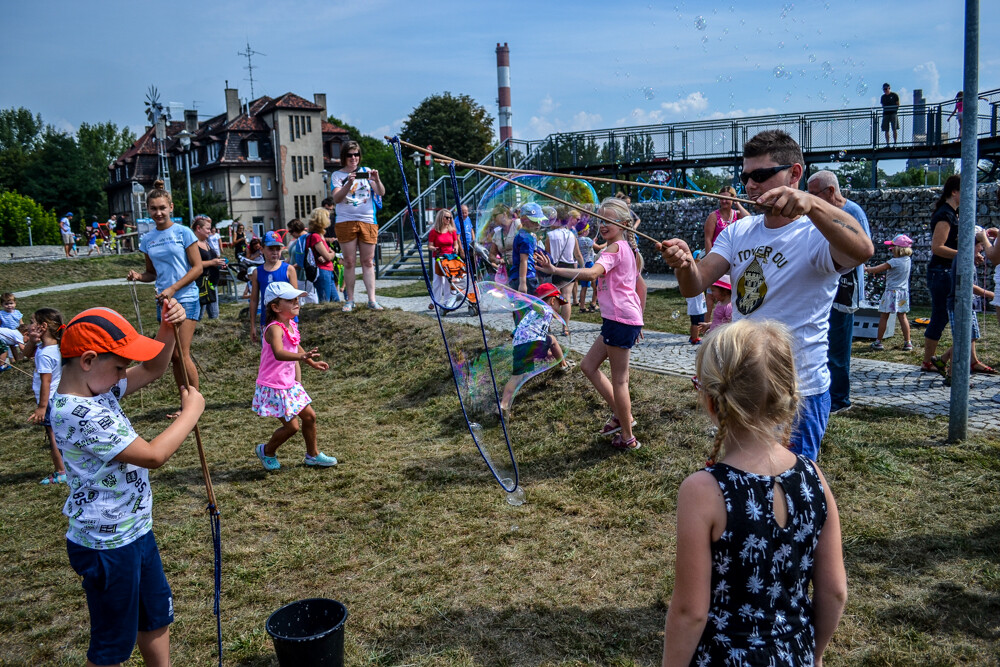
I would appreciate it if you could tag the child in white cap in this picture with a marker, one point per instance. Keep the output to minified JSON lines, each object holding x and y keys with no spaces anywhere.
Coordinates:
{"x":896,"y":297}
{"x":279,"y":393}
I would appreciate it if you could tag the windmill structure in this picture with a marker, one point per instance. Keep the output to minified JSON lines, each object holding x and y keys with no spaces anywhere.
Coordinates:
{"x":158,"y":117}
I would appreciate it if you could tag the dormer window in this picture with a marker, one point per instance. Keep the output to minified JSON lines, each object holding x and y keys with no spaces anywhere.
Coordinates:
{"x":213,"y":152}
{"x":253,"y":150}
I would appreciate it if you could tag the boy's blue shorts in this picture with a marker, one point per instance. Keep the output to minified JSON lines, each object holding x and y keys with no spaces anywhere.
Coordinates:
{"x":127,"y":592}
{"x":586,"y":283}
{"x":616,"y":334}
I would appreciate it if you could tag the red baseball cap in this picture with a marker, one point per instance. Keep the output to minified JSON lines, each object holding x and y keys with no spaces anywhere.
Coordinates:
{"x":103,"y":330}
{"x":545,"y":290}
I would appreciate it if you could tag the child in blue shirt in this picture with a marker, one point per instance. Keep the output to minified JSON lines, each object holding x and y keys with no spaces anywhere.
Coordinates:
{"x":522,"y":276}
{"x":12,"y":319}
{"x":110,"y":541}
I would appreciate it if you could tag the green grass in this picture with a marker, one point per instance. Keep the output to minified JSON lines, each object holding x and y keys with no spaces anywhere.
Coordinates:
{"x":412,"y":534}
{"x":18,"y":276}
{"x":410,"y":288}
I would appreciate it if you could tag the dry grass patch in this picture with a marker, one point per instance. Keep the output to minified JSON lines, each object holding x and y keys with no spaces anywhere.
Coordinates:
{"x":414,"y":536}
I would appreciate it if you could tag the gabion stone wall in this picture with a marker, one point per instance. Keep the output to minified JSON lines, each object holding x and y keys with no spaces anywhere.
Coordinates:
{"x":890,"y":212}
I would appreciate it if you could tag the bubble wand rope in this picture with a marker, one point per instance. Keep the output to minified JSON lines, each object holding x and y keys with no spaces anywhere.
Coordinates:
{"x":599,"y":179}
{"x":20,"y":370}
{"x":213,"y":513}
{"x":138,"y":317}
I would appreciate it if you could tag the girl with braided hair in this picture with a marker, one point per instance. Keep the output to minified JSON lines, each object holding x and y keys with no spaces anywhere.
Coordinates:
{"x":758,"y":524}
{"x":622,"y":295}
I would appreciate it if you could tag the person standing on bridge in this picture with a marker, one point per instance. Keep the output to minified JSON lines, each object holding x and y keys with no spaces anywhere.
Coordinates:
{"x":785,"y":265}
{"x":824,"y":185}
{"x":890,"y":111}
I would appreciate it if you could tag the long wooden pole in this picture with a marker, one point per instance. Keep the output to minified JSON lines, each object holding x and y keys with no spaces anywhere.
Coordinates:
{"x":599,"y":179}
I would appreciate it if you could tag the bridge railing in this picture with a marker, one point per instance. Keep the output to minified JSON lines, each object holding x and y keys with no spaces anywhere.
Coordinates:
{"x":852,"y":130}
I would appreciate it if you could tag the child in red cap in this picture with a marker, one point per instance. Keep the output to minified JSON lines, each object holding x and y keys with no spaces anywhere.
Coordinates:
{"x":110,"y":540}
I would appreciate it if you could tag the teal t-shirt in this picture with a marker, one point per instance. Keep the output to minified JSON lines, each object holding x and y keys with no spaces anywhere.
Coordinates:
{"x":167,"y":249}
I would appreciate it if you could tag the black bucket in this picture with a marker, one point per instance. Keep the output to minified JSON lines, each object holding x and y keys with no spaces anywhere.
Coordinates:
{"x":309,"y":632}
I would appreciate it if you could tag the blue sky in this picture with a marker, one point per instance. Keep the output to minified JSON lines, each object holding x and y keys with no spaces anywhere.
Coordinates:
{"x":574,"y":65}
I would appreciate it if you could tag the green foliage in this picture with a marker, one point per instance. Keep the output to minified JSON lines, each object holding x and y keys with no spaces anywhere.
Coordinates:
{"x":56,"y":169}
{"x":15,"y":209}
{"x":206,"y":202}
{"x":707,"y":180}
{"x":456,"y":126}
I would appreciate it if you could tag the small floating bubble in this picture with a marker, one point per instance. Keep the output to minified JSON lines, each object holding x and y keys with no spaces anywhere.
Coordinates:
{"x":842,"y":154}
{"x":862,"y":88}
{"x":648,"y":93}
{"x":780,"y":72}
{"x":700,"y":23}
{"x":675,"y":314}
{"x":812,"y":57}
{"x":883,"y":183}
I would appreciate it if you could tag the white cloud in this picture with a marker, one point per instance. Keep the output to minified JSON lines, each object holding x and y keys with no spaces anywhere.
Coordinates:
{"x":689,"y":106}
{"x":548,"y":105}
{"x":740,"y":113}
{"x":928,"y":72}
{"x":390,"y":130}
{"x":694,"y":102}
{"x":542,"y":126}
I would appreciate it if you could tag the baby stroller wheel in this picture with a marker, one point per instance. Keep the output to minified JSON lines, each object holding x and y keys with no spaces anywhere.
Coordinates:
{"x":473,"y":310}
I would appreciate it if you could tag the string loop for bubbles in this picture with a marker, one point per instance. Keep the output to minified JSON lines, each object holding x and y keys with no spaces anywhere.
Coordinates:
{"x":470,"y":267}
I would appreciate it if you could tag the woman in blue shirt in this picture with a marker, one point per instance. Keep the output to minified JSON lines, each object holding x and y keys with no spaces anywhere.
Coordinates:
{"x":174,"y":264}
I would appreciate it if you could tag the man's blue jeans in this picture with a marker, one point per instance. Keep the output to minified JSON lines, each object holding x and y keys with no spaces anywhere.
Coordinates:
{"x":840,"y":337}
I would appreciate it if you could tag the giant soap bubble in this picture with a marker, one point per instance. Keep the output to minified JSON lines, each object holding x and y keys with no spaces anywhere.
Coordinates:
{"x":517,"y":344}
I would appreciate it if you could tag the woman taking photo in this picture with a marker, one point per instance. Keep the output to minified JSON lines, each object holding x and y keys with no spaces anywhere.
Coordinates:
{"x":355,"y":191}
{"x":173,"y":263}
{"x":211,"y":264}
{"x":322,"y":255}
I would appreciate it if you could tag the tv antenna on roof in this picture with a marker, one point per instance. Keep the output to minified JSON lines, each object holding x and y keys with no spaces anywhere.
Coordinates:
{"x":249,"y":53}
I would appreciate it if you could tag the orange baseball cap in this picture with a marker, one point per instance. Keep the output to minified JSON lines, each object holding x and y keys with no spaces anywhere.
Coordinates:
{"x":103,"y":330}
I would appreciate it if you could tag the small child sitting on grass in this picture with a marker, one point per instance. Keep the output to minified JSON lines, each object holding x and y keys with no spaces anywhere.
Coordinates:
{"x":533,"y":342}
{"x":110,"y":538}
{"x":896,"y":297}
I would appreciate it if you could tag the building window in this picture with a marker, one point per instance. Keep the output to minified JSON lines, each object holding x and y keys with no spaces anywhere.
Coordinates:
{"x":309,"y":123}
{"x":312,"y":199}
{"x":295,"y":171}
{"x":255,"y":189}
{"x":312,"y":165}
{"x":253,"y":150}
{"x":297,"y":135}
{"x":194,"y":157}
{"x":213,"y":152}
{"x":297,"y":210}
{"x":268,"y":183}
{"x":211,"y":186}
{"x":291,"y":129}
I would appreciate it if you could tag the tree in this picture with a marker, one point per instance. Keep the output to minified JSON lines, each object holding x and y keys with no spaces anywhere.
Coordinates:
{"x":56,"y":176}
{"x":19,"y":134}
{"x":205,"y":202}
{"x":15,"y":210}
{"x":458,"y":126}
{"x":99,"y":145}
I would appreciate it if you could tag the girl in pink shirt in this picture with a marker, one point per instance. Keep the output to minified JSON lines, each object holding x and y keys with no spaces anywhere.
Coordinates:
{"x":279,"y":393}
{"x":622,"y":296}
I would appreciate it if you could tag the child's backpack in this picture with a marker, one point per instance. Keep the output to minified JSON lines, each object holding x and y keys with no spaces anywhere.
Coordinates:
{"x":309,"y":265}
{"x":297,"y":253}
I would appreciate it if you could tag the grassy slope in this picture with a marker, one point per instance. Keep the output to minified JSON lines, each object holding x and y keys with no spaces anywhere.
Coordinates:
{"x":435,"y":568}
{"x":18,"y":276}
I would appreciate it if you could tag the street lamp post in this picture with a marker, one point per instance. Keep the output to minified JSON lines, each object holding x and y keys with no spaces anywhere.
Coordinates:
{"x":28,"y":219}
{"x":326,"y":183}
{"x":185,"y":138}
{"x":417,"y":157}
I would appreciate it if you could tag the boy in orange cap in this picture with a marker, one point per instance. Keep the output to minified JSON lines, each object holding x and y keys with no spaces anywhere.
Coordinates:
{"x":110,"y":539}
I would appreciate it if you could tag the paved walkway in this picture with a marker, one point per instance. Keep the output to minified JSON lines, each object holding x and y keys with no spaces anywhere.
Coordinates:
{"x":873,"y":383}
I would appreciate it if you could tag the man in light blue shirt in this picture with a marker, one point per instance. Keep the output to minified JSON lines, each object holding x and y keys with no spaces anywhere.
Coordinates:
{"x":824,"y":185}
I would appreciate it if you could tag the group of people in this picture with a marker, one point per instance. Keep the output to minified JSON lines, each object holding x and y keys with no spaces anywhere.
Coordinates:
{"x":755,"y":529}
{"x":98,"y":235}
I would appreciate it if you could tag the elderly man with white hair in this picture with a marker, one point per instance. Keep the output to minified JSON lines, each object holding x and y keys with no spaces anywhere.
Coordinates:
{"x":824,"y":185}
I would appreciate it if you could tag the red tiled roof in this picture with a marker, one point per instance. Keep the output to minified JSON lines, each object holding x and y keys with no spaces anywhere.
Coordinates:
{"x":290,"y":101}
{"x":330,"y":128}
{"x":244,"y":123}
{"x":146,"y":144}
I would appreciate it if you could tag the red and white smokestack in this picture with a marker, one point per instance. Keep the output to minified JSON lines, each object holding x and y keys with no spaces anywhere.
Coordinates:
{"x":503,"y":95}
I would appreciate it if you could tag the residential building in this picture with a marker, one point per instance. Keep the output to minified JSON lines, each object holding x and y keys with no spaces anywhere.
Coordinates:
{"x":268,"y":159}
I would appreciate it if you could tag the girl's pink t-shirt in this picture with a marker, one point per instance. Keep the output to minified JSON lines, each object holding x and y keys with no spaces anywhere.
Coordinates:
{"x":273,"y":372}
{"x":616,"y":288}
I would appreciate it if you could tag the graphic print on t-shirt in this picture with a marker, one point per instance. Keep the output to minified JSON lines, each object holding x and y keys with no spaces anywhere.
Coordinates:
{"x":751,"y":288}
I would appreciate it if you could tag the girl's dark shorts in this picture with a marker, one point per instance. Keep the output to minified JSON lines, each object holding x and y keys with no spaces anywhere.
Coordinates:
{"x":616,"y":334}
{"x":697,"y":319}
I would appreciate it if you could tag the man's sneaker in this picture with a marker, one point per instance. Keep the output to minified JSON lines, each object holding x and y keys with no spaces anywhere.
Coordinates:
{"x":348,"y":306}
{"x":618,"y":443}
{"x":907,"y":346}
{"x":374,"y":305}
{"x":321,"y":460}
{"x":55,"y":478}
{"x":841,"y":410}
{"x":878,"y":346}
{"x":269,"y":462}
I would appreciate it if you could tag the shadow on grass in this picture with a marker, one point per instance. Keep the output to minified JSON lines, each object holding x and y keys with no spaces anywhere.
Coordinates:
{"x":532,"y":635}
{"x":949,"y":608}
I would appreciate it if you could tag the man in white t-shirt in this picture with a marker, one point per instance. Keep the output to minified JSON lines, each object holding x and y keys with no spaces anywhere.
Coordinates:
{"x":66,"y":232}
{"x":785,"y":265}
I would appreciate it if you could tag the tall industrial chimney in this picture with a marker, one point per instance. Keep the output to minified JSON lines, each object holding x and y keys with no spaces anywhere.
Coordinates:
{"x":503,"y":91}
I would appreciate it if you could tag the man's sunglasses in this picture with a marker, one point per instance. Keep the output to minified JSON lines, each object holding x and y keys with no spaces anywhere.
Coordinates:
{"x":762,"y":174}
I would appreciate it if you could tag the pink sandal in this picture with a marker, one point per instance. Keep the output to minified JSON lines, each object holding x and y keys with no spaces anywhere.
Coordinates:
{"x":626,"y":445}
{"x":612,"y":426}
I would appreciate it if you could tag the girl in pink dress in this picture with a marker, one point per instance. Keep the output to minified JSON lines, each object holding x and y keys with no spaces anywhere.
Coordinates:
{"x":279,"y":393}
{"x":718,"y":220}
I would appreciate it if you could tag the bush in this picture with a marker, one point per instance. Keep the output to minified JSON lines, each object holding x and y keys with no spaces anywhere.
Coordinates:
{"x":14,"y":211}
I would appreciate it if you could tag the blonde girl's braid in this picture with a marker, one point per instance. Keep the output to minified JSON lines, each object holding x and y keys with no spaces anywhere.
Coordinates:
{"x":721,"y":413}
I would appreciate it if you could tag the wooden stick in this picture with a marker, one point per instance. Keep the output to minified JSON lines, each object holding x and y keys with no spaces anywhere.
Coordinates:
{"x":10,"y":364}
{"x":600,"y":179}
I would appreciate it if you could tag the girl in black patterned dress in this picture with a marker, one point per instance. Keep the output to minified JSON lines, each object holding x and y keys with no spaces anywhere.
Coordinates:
{"x":757,"y":526}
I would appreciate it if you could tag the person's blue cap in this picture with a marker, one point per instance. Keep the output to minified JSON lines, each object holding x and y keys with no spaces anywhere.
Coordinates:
{"x":533,"y":212}
{"x":69,"y":214}
{"x":271,"y":239}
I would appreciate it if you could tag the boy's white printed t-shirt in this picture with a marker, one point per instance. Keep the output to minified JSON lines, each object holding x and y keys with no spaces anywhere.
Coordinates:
{"x":785,"y":274}
{"x":110,"y":504}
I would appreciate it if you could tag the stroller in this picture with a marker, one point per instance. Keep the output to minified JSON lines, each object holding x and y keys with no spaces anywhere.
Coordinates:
{"x":453,"y":268}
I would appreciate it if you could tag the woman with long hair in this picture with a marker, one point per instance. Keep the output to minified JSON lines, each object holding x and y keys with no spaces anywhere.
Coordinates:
{"x":173,"y":263}
{"x":443,"y":244}
{"x":718,"y":220}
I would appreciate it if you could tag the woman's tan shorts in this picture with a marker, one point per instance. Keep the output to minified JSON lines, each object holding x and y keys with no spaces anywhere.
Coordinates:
{"x":352,"y":230}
